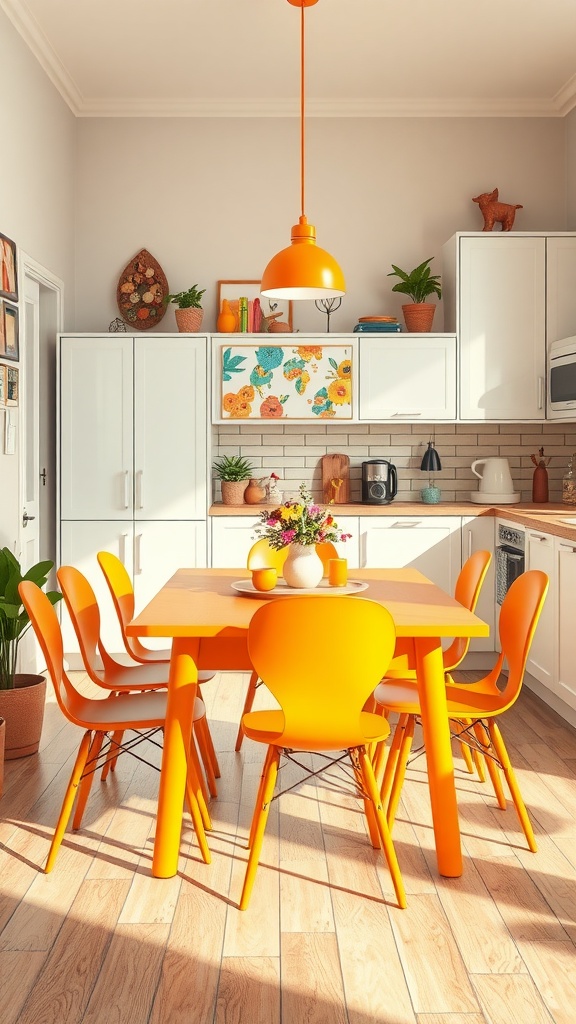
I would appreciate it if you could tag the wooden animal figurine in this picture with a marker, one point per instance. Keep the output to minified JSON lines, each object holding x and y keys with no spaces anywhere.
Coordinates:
{"x":495,"y":212}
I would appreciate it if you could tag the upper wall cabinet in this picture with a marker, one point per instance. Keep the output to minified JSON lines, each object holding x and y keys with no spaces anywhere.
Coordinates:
{"x":408,"y":377}
{"x":503,"y":294}
{"x":291,"y":378}
{"x":133,"y":428}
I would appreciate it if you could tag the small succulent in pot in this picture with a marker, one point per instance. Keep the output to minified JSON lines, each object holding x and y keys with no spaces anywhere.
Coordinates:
{"x":14,"y":620}
{"x":234,"y":471}
{"x":418,"y":285}
{"x":189,"y":314}
{"x":191,"y":298}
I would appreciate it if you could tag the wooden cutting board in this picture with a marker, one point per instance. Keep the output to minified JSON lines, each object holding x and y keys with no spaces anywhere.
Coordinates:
{"x":336,"y":468}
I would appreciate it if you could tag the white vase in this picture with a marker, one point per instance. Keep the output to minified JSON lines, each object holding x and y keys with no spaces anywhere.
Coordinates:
{"x":303,"y":567}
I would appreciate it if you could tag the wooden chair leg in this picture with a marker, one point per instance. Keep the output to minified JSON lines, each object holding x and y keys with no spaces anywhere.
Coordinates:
{"x":385,"y":838}
{"x":195,"y":800}
{"x":260,"y":795}
{"x":211,"y":749}
{"x":110,"y":763}
{"x":465,"y":751}
{"x":195,"y":782}
{"x":392,"y":760}
{"x":195,"y":760}
{"x":201,"y":732}
{"x":87,"y":780}
{"x":261,"y":817}
{"x":483,"y":737}
{"x":400,"y":772}
{"x":248,"y":702}
{"x":69,"y":797}
{"x":502,"y":754}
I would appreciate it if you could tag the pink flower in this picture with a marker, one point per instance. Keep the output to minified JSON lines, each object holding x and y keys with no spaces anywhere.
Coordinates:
{"x":288,"y":536}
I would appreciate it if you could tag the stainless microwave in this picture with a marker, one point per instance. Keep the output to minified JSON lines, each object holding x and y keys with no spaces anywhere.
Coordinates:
{"x":562,"y":379}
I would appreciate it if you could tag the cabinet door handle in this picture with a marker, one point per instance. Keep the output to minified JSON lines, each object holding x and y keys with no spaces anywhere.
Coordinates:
{"x":406,"y":524}
{"x":540,"y":392}
{"x":137,"y":551}
{"x":122,"y":552}
{"x":139,"y":489}
{"x":411,"y":414}
{"x":126,"y":488}
{"x":567,"y":547}
{"x":538,"y":536}
{"x":363,"y":549}
{"x":469,"y":543}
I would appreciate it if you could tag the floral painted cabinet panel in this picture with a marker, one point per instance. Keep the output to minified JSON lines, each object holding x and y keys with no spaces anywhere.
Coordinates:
{"x":298,"y":379}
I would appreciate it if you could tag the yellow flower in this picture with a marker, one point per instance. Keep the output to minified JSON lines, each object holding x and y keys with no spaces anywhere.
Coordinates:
{"x":339,"y":391}
{"x":345,"y":368}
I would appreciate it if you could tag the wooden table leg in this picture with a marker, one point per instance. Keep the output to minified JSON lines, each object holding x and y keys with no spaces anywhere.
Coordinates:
{"x":177,"y":734}
{"x":436,"y":729}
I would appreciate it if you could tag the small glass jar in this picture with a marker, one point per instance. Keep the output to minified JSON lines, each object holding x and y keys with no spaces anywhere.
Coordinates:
{"x":569,"y":484}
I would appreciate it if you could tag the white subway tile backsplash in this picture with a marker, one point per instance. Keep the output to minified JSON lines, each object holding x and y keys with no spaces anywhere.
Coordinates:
{"x":294,"y":452}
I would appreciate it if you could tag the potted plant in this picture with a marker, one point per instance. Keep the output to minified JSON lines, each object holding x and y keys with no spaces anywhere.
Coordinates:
{"x":189,"y":314}
{"x":21,"y":696}
{"x":418,"y":284}
{"x":234,"y":473}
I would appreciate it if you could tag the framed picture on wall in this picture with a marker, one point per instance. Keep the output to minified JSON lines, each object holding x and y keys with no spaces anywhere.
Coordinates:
{"x":3,"y":383}
{"x":261,"y":314}
{"x":11,"y":346}
{"x":12,"y":385}
{"x":8,"y":271}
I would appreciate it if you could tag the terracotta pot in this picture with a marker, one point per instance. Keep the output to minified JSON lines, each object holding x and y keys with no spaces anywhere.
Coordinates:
{"x":233,"y":491}
{"x":419,"y":316}
{"x":279,"y":327}
{"x":254,"y":493}
{"x":189,"y":321}
{"x":2,"y":741}
{"x":23,"y":709}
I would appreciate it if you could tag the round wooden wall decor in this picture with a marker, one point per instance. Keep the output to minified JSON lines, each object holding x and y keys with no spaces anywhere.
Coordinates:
{"x":142,"y":287}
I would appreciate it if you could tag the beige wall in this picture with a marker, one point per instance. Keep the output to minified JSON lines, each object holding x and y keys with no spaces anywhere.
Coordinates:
{"x":570,"y":128}
{"x":37,"y":171}
{"x":215,"y":198}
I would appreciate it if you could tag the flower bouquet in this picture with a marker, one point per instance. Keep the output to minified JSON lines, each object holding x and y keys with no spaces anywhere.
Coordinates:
{"x":299,"y":525}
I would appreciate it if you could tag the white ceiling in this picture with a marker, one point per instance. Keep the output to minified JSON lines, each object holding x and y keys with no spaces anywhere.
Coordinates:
{"x":364,"y":57}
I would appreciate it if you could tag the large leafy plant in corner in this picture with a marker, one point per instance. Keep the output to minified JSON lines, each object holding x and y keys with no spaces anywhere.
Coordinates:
{"x":419,"y":283}
{"x":14,"y":620}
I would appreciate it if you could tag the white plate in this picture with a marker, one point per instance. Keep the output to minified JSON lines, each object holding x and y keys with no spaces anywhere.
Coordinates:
{"x":487,"y":498}
{"x":247,"y":588}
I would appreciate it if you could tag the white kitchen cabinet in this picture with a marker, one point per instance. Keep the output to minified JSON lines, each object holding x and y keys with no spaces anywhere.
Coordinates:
{"x":430,"y":544}
{"x":540,"y":554}
{"x":560,"y":290}
{"x":495,"y":299}
{"x":133,"y":422}
{"x":150,"y":550}
{"x":410,"y":377}
{"x":233,"y":536}
{"x":565,"y":633}
{"x":478,"y":535}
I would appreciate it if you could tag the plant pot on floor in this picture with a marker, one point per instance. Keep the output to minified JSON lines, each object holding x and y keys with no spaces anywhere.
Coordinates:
{"x":2,"y":742}
{"x":419,"y":316}
{"x":23,"y":709}
{"x":233,"y":491}
{"x":189,"y":321}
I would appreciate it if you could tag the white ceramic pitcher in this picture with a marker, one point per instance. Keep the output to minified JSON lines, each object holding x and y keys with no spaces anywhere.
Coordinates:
{"x":496,"y":478}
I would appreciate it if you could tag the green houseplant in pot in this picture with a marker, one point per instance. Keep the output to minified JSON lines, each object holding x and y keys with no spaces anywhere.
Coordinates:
{"x":189,"y":314}
{"x":234,"y":472}
{"x":418,"y":284}
{"x":21,"y":696}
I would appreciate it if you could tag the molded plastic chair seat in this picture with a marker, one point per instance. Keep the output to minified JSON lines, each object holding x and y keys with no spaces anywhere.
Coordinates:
{"x":321,"y":682}
{"x":141,"y":712}
{"x":475,"y":706}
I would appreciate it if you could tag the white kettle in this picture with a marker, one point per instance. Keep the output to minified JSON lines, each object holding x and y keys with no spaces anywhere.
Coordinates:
{"x":495,"y":481}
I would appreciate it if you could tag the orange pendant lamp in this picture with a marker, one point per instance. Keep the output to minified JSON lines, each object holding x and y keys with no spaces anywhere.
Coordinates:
{"x":303,"y":270}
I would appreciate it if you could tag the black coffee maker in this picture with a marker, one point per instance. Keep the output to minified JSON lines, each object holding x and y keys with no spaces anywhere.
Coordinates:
{"x":379,"y":482}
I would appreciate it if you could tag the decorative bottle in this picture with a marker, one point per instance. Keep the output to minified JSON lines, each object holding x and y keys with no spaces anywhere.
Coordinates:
{"x":540,"y":479}
{"x":569,"y":483}
{"x":226,"y":322}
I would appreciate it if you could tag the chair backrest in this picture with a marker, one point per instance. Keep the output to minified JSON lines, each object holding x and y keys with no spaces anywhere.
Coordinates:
{"x":122,"y":593}
{"x":85,"y":616}
{"x":322,"y":657}
{"x":519,"y":616}
{"x":467,"y":592}
{"x":49,"y":635}
{"x":263,"y":556}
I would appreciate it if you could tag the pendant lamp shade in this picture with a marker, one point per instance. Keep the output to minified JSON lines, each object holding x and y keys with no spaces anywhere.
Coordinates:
{"x":431,"y":460}
{"x":303,"y":270}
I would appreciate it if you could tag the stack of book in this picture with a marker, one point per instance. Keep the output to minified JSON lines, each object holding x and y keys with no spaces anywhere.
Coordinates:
{"x":378,"y":324}
{"x":248,"y":313}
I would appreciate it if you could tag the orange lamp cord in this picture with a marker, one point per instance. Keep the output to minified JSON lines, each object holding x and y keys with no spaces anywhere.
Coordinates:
{"x":302,"y":132}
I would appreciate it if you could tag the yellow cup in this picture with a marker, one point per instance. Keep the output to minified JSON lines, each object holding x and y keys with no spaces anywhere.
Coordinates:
{"x":337,"y":572}
{"x":264,"y":579}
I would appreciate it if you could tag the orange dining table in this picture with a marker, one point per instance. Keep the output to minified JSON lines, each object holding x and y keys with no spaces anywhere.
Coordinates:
{"x":208,"y":621}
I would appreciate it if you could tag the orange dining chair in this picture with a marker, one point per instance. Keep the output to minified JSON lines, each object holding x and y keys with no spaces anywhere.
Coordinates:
{"x":144,"y":713}
{"x":321,"y":681}
{"x":474,"y":707}
{"x":84,"y":613}
{"x":466,"y":592}
{"x":122,"y":594}
{"x":263,"y":556}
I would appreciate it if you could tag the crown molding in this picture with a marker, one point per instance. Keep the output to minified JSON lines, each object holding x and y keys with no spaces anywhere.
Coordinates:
{"x":44,"y":53}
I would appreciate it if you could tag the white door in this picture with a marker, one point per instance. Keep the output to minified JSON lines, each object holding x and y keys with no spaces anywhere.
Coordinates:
{"x":406,"y":377}
{"x":565,"y":631}
{"x":478,"y":535}
{"x":96,"y":428}
{"x":542,"y":657}
{"x":431,"y":545}
{"x":29,"y":657}
{"x":560,"y":290}
{"x":170,"y":417}
{"x":160,"y":548}
{"x":232,"y":538}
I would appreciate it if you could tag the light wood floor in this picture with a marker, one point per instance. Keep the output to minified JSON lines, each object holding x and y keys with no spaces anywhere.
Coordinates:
{"x":100,"y":941}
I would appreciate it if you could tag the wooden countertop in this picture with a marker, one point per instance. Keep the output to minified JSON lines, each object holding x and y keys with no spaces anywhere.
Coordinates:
{"x":547,"y":518}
